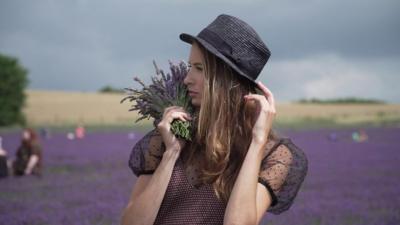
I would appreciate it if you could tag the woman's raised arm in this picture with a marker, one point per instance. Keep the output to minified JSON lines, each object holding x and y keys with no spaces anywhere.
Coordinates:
{"x":148,"y":192}
{"x":242,"y":206}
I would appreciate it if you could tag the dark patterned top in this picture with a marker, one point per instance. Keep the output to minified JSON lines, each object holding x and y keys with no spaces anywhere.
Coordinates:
{"x":23,"y":154}
{"x":282,"y":172}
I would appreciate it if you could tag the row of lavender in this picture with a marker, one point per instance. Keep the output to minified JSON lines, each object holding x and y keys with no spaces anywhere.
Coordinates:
{"x":87,"y":181}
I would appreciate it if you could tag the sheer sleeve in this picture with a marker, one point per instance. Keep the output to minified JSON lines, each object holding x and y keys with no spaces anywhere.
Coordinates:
{"x":282,"y":172}
{"x":147,"y":153}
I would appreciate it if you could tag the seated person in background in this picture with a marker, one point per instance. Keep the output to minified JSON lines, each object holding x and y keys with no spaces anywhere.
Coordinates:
{"x":3,"y":161}
{"x":29,"y":155}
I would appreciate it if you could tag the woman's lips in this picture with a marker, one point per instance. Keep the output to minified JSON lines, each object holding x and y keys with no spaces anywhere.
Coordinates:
{"x":192,"y":93}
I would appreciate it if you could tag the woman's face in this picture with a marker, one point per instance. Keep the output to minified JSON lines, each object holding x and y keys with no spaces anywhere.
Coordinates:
{"x":26,"y":135}
{"x":194,"y":80}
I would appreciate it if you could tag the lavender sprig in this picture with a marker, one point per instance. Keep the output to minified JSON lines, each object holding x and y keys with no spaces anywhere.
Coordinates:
{"x":165,"y":90}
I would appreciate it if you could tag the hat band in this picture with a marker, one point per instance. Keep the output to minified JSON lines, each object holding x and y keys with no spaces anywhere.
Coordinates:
{"x":243,"y":63}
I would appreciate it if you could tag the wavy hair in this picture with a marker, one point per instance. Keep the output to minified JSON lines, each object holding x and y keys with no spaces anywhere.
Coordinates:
{"x":224,"y":125}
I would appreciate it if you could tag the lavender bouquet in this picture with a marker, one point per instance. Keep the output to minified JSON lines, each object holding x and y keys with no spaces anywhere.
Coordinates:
{"x":166,"y":90}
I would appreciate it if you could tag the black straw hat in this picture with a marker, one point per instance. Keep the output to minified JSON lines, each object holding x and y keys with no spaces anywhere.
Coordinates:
{"x":236,"y":43}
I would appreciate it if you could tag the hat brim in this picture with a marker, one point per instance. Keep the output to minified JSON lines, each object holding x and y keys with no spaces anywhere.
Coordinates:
{"x":190,"y":38}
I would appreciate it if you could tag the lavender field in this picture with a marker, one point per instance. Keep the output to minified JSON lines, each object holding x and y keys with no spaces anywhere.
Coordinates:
{"x":89,"y":182}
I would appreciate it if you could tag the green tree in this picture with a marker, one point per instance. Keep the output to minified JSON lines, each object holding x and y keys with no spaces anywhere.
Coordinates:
{"x":110,"y":89}
{"x":13,"y":81}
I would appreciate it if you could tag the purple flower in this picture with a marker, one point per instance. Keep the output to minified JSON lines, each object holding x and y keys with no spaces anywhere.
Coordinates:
{"x":166,"y":90}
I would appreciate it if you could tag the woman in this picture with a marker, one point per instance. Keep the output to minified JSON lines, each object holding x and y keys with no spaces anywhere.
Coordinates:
{"x":29,"y":155}
{"x":236,"y":167}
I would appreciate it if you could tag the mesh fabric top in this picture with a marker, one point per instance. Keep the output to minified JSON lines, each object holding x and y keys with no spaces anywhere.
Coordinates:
{"x":282,"y":172}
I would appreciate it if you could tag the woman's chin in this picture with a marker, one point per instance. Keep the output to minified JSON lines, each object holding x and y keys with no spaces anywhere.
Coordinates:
{"x":195,"y":103}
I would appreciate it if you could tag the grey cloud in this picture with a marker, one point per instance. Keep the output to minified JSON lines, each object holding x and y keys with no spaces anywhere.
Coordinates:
{"x":83,"y":45}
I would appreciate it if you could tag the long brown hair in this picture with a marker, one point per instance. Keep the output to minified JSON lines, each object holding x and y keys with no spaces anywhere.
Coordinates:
{"x":224,"y":125}
{"x":33,"y":138}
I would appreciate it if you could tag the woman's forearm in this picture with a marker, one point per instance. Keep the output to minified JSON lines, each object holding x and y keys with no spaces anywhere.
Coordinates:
{"x":33,"y":160}
{"x":241,"y":207}
{"x":144,"y":208}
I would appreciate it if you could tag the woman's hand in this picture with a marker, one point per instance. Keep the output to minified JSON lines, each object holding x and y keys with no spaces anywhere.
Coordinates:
{"x":164,"y":127}
{"x":266,"y":112}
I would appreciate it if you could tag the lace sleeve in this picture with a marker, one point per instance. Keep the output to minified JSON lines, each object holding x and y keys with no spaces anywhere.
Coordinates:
{"x":282,"y":172}
{"x":147,"y":153}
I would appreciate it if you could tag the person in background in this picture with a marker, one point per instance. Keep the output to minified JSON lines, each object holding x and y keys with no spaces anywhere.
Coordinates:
{"x":29,"y":155}
{"x":80,"y":131}
{"x":359,"y":136}
{"x":3,"y":161}
{"x":45,"y":133}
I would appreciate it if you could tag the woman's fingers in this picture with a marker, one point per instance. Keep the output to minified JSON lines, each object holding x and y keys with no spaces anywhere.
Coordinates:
{"x":268,"y":94}
{"x":165,"y":123}
{"x":259,"y":98}
{"x":170,"y":116}
{"x":187,"y":116}
{"x":264,"y":103}
{"x":263,"y":88}
{"x":164,"y":126}
{"x":172,"y":109}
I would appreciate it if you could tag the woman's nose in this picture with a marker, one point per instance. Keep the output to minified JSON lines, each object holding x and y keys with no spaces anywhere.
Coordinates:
{"x":187,"y":79}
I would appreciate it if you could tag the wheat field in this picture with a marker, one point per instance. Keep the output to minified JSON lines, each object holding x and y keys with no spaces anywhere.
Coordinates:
{"x":60,"y":108}
{"x":70,"y":108}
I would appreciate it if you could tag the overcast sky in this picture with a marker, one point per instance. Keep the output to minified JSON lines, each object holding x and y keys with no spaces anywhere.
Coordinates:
{"x":322,"y":49}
